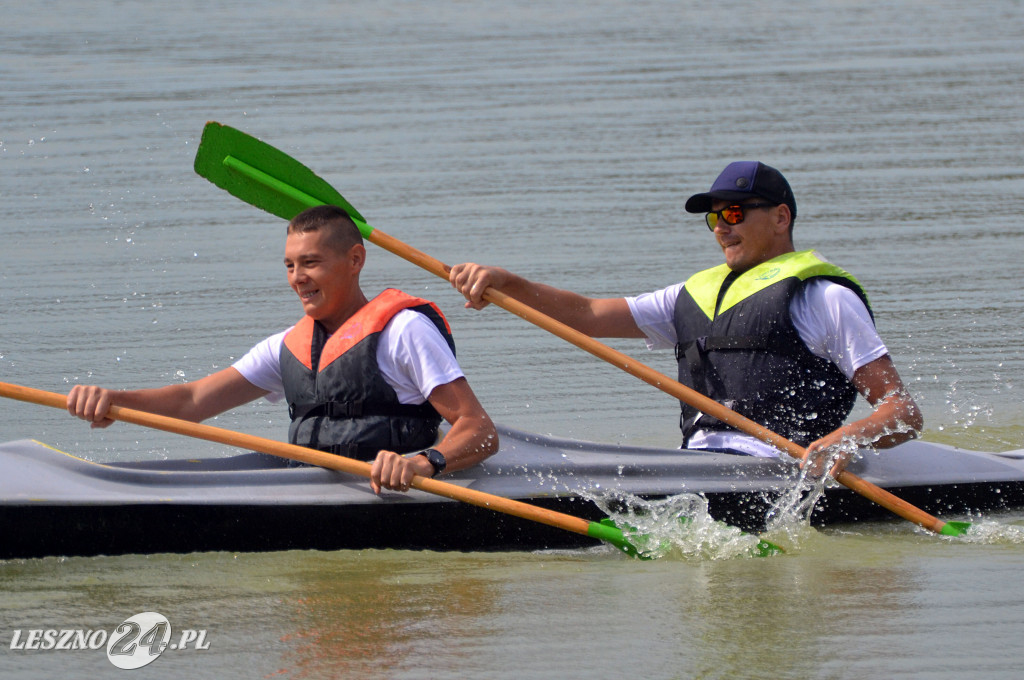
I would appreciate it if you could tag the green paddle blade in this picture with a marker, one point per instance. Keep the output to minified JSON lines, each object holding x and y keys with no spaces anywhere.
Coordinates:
{"x":263,"y":176}
{"x":766,"y":549}
{"x":955,"y":528}
{"x":607,"y":531}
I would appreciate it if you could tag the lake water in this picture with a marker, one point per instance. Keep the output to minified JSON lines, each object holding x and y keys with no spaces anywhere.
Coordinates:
{"x":560,"y":140}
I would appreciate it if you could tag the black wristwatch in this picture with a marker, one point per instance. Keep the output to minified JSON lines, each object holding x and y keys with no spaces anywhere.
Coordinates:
{"x":436,"y":460}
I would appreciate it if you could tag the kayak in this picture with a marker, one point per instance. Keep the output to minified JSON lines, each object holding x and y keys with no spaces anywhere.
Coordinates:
{"x":54,"y":503}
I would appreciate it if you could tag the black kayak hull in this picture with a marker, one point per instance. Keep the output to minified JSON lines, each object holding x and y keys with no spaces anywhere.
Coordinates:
{"x":52,"y":503}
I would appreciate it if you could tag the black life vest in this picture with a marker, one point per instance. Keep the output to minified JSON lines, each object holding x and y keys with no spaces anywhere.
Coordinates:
{"x":337,"y":397}
{"x":737,"y":345}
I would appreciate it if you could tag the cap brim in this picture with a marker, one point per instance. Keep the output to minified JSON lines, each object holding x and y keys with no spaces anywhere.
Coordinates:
{"x":701,"y":203}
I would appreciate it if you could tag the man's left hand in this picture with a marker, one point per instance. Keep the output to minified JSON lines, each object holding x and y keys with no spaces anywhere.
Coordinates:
{"x":830,"y":455}
{"x":395,"y":472}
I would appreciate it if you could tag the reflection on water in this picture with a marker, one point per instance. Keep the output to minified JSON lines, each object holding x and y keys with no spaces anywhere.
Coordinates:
{"x":858,"y":597}
{"x":377,"y":619}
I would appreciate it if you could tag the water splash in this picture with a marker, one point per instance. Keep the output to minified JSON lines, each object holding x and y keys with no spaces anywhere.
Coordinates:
{"x":793,"y":508}
{"x":676,"y":526}
{"x":790,"y":513}
{"x":992,"y":532}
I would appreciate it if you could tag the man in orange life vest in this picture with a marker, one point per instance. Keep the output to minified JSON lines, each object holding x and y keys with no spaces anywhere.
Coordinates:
{"x":370,"y":379}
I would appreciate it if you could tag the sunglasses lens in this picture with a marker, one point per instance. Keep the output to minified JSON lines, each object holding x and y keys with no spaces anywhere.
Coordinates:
{"x":712,"y":220}
{"x":733,"y":214}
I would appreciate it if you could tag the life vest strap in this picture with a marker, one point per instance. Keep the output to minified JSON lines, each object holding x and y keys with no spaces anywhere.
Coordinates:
{"x":359,"y":409}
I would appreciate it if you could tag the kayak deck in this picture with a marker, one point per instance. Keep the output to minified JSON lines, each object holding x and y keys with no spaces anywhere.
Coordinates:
{"x":53,"y":503}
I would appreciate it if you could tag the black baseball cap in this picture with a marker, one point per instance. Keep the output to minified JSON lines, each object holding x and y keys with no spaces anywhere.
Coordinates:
{"x":745,"y":179}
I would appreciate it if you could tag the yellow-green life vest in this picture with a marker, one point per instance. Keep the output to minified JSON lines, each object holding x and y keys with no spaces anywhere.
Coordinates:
{"x":737,"y":344}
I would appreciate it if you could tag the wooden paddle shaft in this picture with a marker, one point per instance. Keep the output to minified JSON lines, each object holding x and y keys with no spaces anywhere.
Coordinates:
{"x":311,"y":456}
{"x":663,"y":382}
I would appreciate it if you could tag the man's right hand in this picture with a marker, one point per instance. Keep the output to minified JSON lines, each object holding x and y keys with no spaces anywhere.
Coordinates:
{"x":473,"y":279}
{"x":91,"y":403}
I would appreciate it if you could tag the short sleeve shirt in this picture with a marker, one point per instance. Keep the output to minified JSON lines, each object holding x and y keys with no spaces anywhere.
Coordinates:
{"x":413,"y":357}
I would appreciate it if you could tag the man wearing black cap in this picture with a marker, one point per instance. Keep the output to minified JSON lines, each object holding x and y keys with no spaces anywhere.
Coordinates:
{"x":783,"y":337}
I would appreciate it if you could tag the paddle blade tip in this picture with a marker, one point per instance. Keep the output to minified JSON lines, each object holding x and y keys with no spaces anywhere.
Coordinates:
{"x":955,"y":528}
{"x":766,"y":548}
{"x":607,"y":531}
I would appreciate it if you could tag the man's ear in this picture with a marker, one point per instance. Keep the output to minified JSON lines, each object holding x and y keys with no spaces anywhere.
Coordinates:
{"x":357,"y":256}
{"x":783,"y":218}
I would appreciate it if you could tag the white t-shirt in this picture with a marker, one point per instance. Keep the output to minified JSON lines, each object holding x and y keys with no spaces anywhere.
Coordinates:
{"x":830,"y":318}
{"x":413,"y":357}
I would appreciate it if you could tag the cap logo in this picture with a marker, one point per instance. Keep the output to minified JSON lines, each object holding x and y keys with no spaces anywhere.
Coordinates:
{"x":742,"y":183}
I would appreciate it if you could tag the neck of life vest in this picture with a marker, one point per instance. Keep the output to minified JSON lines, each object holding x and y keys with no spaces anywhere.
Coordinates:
{"x":737,"y":345}
{"x":338,"y":399}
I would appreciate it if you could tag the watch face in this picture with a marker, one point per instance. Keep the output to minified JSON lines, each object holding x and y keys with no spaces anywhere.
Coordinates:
{"x":436,"y":459}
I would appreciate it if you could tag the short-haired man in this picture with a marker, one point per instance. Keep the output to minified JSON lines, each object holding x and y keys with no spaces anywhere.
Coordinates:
{"x":370,"y":379}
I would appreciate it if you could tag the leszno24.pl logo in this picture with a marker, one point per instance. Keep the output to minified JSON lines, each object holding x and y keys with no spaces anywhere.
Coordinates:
{"x":137,"y":642}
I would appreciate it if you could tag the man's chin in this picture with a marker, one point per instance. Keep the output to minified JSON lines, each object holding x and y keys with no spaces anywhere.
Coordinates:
{"x":734,"y":261}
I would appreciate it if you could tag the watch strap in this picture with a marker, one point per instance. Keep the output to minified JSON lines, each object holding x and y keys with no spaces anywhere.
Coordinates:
{"x":436,"y":460}
{"x":434,"y":457}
